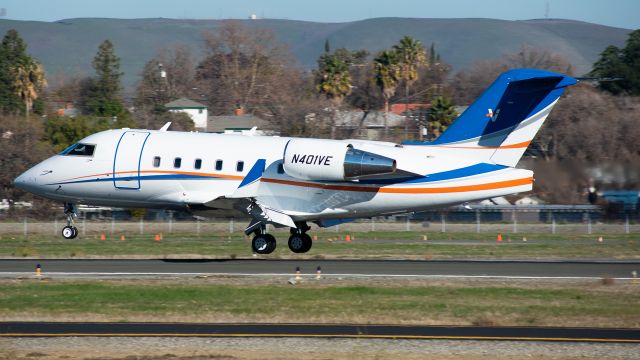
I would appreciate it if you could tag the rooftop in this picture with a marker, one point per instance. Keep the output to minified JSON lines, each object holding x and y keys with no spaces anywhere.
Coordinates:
{"x":219,"y":124}
{"x":184,"y":103}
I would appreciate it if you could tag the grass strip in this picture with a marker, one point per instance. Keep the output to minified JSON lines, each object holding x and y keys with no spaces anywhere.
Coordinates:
{"x":371,"y":245}
{"x":207,"y":301}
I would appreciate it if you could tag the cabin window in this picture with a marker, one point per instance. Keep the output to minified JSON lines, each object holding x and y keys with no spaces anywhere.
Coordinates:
{"x":280,"y":169}
{"x":239,"y":166}
{"x":218,"y":165}
{"x":197,"y":164}
{"x":79,"y":150}
{"x":156,"y":161}
{"x":177,"y":162}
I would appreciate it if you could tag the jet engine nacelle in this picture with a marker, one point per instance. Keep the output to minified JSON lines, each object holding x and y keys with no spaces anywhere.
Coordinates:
{"x":330,"y":160}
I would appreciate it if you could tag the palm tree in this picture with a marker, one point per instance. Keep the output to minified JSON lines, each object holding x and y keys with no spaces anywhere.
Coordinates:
{"x":29,"y":80}
{"x":334,"y":81}
{"x":411,"y":55}
{"x":387,"y":75}
{"x":441,"y":115}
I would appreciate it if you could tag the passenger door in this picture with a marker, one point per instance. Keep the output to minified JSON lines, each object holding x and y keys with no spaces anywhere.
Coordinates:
{"x":126,"y":161}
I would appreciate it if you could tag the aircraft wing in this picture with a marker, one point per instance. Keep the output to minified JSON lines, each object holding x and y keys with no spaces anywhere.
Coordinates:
{"x":260,"y":213}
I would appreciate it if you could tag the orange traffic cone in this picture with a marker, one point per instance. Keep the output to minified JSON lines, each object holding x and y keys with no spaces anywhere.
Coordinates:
{"x":103,"y":237}
{"x":347,"y":238}
{"x":499,"y":238}
{"x":157,"y":237}
{"x":122,"y":238}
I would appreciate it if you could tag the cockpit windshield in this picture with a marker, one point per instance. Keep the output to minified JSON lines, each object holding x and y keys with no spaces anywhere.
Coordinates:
{"x":79,"y":149}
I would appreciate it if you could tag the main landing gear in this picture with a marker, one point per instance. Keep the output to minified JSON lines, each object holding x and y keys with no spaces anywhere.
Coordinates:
{"x":299,"y":241}
{"x":70,"y":231}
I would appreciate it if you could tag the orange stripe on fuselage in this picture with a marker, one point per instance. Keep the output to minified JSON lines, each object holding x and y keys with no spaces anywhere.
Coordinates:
{"x":396,"y":190}
{"x":361,"y":188}
{"x":234,"y":177}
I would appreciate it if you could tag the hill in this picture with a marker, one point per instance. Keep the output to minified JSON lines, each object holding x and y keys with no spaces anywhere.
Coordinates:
{"x":66,"y":47}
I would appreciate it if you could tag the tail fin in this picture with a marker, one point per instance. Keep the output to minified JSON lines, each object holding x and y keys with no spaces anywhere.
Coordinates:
{"x":505,"y":118}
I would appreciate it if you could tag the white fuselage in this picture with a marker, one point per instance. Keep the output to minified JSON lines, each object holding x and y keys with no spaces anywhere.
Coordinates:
{"x":138,"y":168}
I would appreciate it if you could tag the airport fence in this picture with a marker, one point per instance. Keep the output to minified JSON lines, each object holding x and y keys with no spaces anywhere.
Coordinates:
{"x":234,"y":226}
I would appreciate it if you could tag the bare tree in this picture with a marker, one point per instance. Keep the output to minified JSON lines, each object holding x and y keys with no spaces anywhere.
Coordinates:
{"x":21,"y":146}
{"x":242,"y":68}
{"x":166,"y":77}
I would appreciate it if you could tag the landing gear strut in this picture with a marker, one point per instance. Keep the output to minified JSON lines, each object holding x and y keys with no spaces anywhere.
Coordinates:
{"x":70,"y":231}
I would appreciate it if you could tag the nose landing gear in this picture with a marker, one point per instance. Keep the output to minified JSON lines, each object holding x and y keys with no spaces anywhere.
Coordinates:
{"x":70,"y":231}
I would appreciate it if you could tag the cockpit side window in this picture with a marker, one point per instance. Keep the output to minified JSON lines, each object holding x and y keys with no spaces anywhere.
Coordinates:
{"x":79,"y":149}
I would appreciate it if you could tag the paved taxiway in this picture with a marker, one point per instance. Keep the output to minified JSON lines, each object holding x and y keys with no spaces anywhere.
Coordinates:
{"x":54,"y":329}
{"x":262,"y":267}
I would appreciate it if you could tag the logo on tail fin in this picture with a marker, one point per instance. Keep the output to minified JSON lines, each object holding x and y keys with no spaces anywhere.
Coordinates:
{"x":493,"y":116}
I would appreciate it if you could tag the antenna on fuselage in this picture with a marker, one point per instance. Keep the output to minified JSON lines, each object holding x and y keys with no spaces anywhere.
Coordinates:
{"x":165,"y":126}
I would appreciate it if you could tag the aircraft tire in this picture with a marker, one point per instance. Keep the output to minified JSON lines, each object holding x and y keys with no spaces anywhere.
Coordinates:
{"x":263,"y":244}
{"x":300,"y":243}
{"x":272,"y":243}
{"x":69,"y":232}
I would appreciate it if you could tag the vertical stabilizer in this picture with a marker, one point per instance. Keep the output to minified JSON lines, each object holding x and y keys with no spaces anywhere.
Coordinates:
{"x":503,"y":121}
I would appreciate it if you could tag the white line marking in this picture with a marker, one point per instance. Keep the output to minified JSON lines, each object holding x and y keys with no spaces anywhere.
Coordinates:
{"x":123,"y":274}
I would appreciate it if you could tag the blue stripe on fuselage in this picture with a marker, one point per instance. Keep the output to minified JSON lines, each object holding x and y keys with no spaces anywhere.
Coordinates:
{"x":472,"y":170}
{"x":147,"y":177}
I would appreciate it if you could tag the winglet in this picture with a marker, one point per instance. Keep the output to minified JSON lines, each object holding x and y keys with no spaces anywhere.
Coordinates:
{"x":249,"y":185}
{"x":165,"y":126}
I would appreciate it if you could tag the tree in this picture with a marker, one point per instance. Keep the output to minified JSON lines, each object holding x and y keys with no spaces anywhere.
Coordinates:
{"x":60,"y":132}
{"x":387,"y":75}
{"x":411,"y":55}
{"x":167,"y":76}
{"x":333,"y":78}
{"x":620,"y":63}
{"x":21,"y":76}
{"x":610,"y":65}
{"x":440,"y":116}
{"x":631,"y":58}
{"x":365,"y":95}
{"x":242,"y":68}
{"x":104,"y":93}
{"x":576,"y":147}
{"x":22,"y":147}
{"x":30,"y":79}
{"x":299,"y":111}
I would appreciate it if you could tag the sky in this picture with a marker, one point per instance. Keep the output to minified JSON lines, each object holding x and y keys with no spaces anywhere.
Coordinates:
{"x":618,"y":13}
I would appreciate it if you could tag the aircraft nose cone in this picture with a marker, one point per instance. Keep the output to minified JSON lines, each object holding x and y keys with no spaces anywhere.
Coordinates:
{"x":20,"y":181}
{"x":26,"y":181}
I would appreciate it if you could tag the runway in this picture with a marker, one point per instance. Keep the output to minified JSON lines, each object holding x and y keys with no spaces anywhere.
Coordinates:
{"x":57,"y":329}
{"x":332,"y":268}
